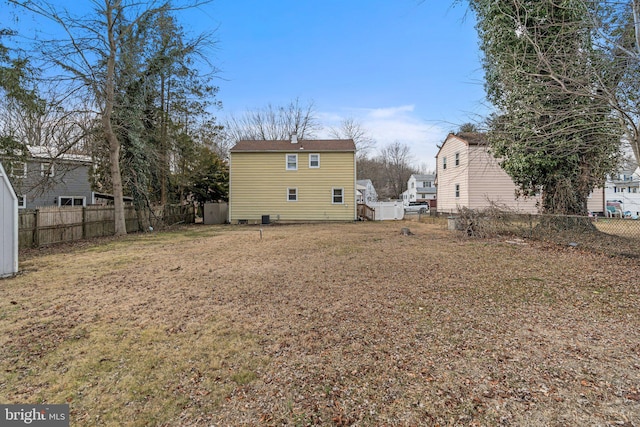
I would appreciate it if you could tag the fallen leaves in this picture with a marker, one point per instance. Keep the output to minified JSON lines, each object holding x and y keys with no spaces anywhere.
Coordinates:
{"x":332,"y":324}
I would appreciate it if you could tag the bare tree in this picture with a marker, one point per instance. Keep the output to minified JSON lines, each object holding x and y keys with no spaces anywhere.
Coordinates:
{"x":396,"y":160}
{"x":87,"y":57}
{"x":273,"y":123}
{"x":350,"y":128}
{"x":617,"y":29}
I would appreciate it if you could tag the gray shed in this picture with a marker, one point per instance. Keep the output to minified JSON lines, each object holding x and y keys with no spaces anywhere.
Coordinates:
{"x":8,"y":227}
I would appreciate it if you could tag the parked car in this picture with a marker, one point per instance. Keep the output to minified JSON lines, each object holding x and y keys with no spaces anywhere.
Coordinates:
{"x":417,"y":207}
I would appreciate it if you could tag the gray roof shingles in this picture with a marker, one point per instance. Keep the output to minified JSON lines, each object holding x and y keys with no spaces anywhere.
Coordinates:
{"x":310,"y":145}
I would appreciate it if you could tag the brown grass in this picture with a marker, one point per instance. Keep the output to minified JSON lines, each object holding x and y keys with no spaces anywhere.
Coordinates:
{"x":336,"y":324}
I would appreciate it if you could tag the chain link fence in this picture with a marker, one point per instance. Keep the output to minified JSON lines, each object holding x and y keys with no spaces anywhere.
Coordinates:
{"x":613,"y":236}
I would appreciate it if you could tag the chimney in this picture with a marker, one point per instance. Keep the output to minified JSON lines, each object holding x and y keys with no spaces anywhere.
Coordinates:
{"x":294,"y":138}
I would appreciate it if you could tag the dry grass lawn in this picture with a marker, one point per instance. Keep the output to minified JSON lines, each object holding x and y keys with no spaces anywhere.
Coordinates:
{"x":342,"y":324}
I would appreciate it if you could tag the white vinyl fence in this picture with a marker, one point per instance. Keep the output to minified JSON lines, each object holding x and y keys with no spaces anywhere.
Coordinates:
{"x":386,"y":211}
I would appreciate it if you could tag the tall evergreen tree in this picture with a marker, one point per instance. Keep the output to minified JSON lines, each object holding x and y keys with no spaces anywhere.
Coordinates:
{"x":552,"y":132}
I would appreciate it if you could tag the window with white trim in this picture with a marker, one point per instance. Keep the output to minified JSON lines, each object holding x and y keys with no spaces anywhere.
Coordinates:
{"x":47,"y":169}
{"x":22,"y":202}
{"x":70,"y":201}
{"x":444,"y":163}
{"x":337,"y":196}
{"x":314,"y":161}
{"x":292,"y":162}
{"x":457,"y":159}
{"x":457,"y":190}
{"x":292,"y":194}
{"x":18,"y":169}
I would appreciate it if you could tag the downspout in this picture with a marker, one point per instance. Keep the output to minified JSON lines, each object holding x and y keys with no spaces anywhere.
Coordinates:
{"x":230,"y":198}
{"x":355,"y":188}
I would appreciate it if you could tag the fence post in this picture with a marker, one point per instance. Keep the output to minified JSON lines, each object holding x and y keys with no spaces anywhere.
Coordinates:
{"x":84,"y":222}
{"x":36,"y":231}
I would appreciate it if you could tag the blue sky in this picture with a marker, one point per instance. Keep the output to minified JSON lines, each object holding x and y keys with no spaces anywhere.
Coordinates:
{"x":407,"y":70}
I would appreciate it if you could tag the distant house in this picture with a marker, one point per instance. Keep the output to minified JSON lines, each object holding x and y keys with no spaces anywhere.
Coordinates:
{"x":47,"y":179}
{"x":297,"y":180}
{"x":623,"y":190}
{"x":420,"y":188}
{"x":366,"y":191}
{"x":469,"y":176}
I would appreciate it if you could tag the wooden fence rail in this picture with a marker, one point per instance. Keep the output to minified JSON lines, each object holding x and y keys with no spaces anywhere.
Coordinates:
{"x":50,"y":225}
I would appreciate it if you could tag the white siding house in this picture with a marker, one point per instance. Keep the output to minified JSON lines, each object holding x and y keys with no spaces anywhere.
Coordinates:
{"x":469,"y":176}
{"x":8,"y":227}
{"x":420,"y":188}
{"x":624,"y":189}
{"x":367,"y":192}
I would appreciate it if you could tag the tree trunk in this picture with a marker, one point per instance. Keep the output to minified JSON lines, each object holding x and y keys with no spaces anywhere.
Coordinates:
{"x":112,"y":139}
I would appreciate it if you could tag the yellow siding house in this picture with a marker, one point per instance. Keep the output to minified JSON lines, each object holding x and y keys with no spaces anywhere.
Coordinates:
{"x":292,"y":181}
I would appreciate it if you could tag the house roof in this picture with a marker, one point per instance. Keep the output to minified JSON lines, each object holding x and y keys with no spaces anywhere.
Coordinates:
{"x":428,"y":177}
{"x":42,"y":152}
{"x":426,"y":190}
{"x":311,"y":145}
{"x":469,"y":138}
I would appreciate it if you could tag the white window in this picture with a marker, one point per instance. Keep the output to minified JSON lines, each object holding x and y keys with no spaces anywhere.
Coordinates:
{"x":314,"y":160}
{"x":444,"y":163}
{"x":457,"y":159}
{"x":292,"y":194}
{"x":71,"y":201}
{"x":457,"y":190}
{"x":18,"y":169}
{"x":413,"y":184}
{"x":22,"y":202}
{"x":337,"y":196}
{"x":292,"y":162}
{"x":46,"y":169}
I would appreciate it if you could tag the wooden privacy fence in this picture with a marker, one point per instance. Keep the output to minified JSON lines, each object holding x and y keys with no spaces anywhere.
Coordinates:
{"x":49,"y":225}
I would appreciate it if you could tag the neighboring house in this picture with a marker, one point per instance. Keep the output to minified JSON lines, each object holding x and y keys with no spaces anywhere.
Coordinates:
{"x":366,"y":191}
{"x":45,"y":179}
{"x":623,"y":189}
{"x":420,"y":188}
{"x":297,"y":180}
{"x":469,"y":176}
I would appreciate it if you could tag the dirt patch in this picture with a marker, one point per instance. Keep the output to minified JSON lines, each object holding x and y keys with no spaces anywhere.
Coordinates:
{"x":336,"y":324}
